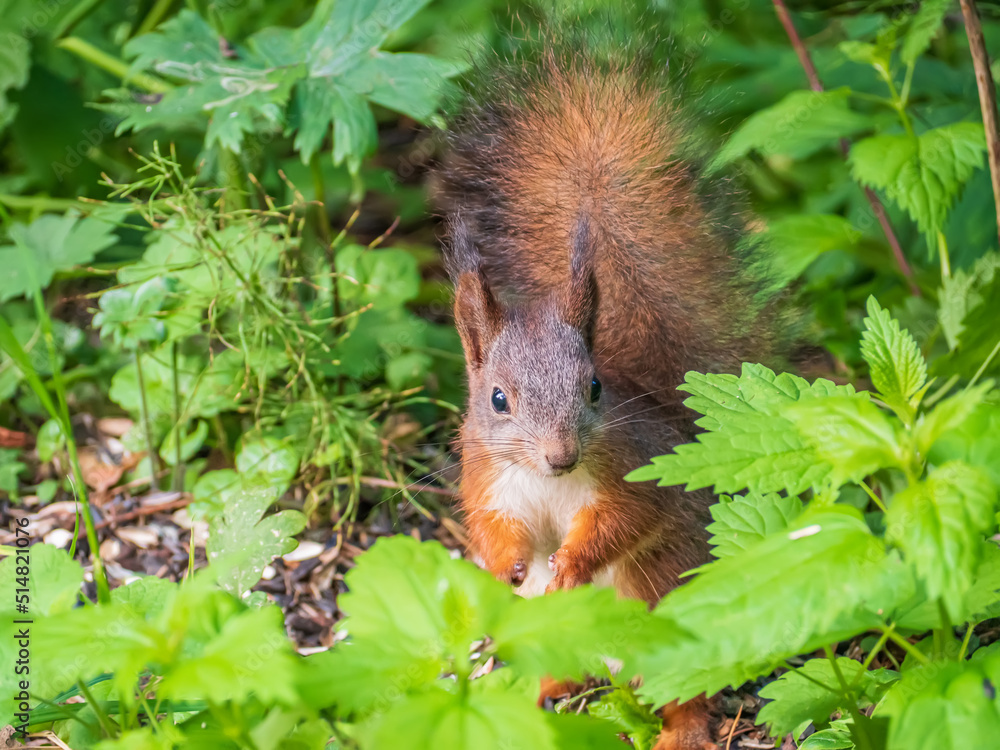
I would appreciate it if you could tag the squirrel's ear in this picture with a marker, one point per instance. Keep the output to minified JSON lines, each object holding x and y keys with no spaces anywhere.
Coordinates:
{"x":477,"y":316}
{"x":580,"y":303}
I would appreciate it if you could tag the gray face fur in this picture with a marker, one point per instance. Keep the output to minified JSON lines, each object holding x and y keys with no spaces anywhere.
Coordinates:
{"x":542,"y":365}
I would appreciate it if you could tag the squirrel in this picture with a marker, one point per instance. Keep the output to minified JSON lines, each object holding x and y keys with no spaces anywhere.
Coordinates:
{"x":592,"y":269}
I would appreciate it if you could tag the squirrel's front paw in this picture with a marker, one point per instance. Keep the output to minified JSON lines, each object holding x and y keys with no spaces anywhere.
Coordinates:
{"x":513,"y":572}
{"x":567,"y":574}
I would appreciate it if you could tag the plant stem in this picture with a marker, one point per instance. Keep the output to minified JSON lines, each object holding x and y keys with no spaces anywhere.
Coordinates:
{"x":71,"y":19}
{"x":177,"y":482}
{"x":864,"y":741}
{"x":101,"y":59}
{"x":945,"y":258}
{"x":965,"y":642}
{"x":873,"y":200}
{"x":941,"y":392}
{"x":147,"y":425}
{"x":908,"y":647}
{"x":986,"y":363}
{"x":875,"y":498}
{"x":987,"y":94}
{"x":155,"y":15}
{"x":102,"y":717}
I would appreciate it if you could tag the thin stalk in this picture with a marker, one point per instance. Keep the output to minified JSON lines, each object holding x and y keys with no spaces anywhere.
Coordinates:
{"x":101,"y":59}
{"x":80,"y":11}
{"x":864,"y":741}
{"x":987,"y":94}
{"x":946,"y":632}
{"x":944,"y":256}
{"x":908,"y":647}
{"x":102,"y":718}
{"x":986,"y":363}
{"x":875,"y":498}
{"x":941,"y":392}
{"x":153,"y":18}
{"x":177,"y":483}
{"x":147,"y":425}
{"x":965,"y":642}
{"x":873,"y":200}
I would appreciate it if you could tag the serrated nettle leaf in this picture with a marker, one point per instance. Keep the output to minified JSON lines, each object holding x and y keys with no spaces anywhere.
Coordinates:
{"x":851,"y":435}
{"x":829,"y":564}
{"x":48,"y":245}
{"x":741,"y":521}
{"x":798,"y":125}
{"x":811,"y":693}
{"x":977,"y":351}
{"x":962,"y":292}
{"x":622,"y":708}
{"x":922,"y":174}
{"x":936,"y":522}
{"x":924,"y":26}
{"x":894,"y":360}
{"x":946,"y":706}
{"x":750,"y":444}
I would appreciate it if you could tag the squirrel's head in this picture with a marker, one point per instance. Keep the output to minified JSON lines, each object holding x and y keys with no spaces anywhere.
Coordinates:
{"x":534,"y":396}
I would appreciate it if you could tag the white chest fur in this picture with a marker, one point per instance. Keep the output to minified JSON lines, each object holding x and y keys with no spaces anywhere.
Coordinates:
{"x":546,"y":505}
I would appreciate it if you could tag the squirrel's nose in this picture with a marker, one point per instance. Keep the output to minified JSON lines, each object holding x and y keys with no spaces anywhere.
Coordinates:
{"x":563,"y":459}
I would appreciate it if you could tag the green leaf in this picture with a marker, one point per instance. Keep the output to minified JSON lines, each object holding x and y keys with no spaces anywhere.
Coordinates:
{"x":924,"y":174}
{"x":10,"y":468}
{"x":977,"y":350}
{"x":622,"y":708}
{"x":949,"y":416}
{"x":976,"y":440}
{"x":799,"y":697}
{"x":53,"y":578}
{"x":932,"y":522}
{"x":851,"y":435}
{"x":242,"y":534}
{"x":799,"y":125}
{"x":829,"y":564}
{"x":894,"y":360}
{"x":963,"y":292}
{"x":796,"y":241}
{"x":530,"y":634}
{"x":924,"y":26}
{"x":15,"y":64}
{"x":48,"y":245}
{"x":741,"y":521}
{"x":838,"y":738}
{"x":749,"y":443}
{"x":946,"y":706}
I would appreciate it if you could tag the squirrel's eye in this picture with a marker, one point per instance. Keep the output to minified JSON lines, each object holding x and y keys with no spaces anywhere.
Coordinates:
{"x":595,"y":390}
{"x":499,"y":401}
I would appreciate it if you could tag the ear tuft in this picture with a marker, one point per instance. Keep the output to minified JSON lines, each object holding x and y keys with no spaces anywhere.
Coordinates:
{"x":580,"y":303}
{"x":478,"y":316}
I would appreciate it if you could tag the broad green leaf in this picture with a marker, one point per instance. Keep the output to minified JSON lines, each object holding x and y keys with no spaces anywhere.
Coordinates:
{"x":796,"y":241}
{"x":946,"y":706}
{"x":934,"y":523}
{"x":267,"y":461}
{"x":741,"y":521}
{"x":835,"y":738}
{"x":923,"y":174}
{"x":811,"y":693}
{"x":949,"y":415}
{"x":749,"y":443}
{"x":851,"y":435}
{"x":137,"y":739}
{"x":146,"y":597}
{"x":977,"y":349}
{"x":48,"y":245}
{"x":130,"y":316}
{"x":53,"y":579}
{"x":976,"y":440}
{"x":829,"y":564}
{"x":800,"y":124}
{"x":924,"y":26}
{"x":10,"y":468}
{"x":251,"y":655}
{"x":530,"y":635}
{"x":894,"y":360}
{"x":622,"y":708}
